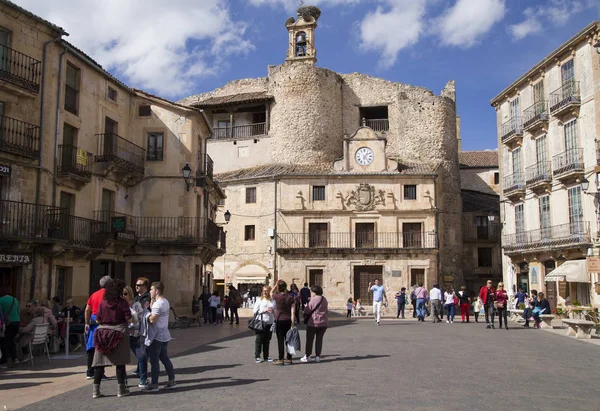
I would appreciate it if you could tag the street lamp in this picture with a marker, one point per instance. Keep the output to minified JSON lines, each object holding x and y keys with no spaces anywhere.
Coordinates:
{"x":491,"y":218}
{"x":187,"y":171}
{"x":585,"y":184}
{"x":227,"y":216}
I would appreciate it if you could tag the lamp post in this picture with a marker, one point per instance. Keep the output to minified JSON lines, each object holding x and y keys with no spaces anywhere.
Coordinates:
{"x":227,"y":216}
{"x":187,"y":171}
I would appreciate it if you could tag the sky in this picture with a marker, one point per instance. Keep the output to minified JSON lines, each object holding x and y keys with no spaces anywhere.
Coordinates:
{"x":177,"y":48}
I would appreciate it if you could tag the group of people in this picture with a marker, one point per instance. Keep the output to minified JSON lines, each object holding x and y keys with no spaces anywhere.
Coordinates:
{"x":119,"y":320}
{"x":214,"y":311}
{"x":279,"y":308}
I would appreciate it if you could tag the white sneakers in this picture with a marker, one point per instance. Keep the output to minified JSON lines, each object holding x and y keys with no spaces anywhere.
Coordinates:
{"x":309,"y":359}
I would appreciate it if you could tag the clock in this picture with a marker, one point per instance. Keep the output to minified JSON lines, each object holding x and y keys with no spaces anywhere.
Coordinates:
{"x":364,"y":156}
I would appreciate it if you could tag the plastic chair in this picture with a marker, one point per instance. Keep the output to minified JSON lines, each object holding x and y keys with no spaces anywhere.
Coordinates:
{"x":40,"y":337}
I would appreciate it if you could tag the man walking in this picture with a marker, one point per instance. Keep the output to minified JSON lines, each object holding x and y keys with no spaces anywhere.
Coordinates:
{"x":204,"y":297}
{"x":158,"y":337}
{"x":91,"y":310}
{"x":435,"y":296}
{"x":141,"y":287}
{"x":413,"y":300}
{"x":487,"y":293}
{"x":421,"y":294}
{"x":142,"y":284}
{"x":378,"y":297}
{"x":304,"y":295}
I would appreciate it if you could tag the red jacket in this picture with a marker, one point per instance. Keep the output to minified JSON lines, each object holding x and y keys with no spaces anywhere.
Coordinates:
{"x":483,"y":293}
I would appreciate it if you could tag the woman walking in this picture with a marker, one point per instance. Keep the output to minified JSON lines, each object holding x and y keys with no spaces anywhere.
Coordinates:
{"x":110,"y":339}
{"x":449,"y":297}
{"x":464,"y":299}
{"x":501,"y":304}
{"x":318,"y":320}
{"x":285,"y":316}
{"x":264,"y":307}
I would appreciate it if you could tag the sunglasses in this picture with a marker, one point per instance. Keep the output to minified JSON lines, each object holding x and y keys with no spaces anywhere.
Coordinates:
{"x":139,"y":285}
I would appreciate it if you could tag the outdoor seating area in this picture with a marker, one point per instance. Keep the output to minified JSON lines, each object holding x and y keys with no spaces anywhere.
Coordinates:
{"x":581,"y":329}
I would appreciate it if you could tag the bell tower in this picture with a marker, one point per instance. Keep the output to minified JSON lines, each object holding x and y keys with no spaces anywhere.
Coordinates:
{"x":302,"y":35}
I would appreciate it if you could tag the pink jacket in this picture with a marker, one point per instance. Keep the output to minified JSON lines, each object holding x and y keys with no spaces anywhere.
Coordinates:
{"x":320,"y":317}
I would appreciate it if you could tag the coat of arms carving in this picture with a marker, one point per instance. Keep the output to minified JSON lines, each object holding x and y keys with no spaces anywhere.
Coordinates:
{"x":365,"y":197}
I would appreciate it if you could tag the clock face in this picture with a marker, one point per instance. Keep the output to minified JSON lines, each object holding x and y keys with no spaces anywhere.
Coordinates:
{"x":364,"y":156}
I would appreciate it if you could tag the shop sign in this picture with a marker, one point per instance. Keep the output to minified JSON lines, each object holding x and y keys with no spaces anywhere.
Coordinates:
{"x":4,"y":170}
{"x":593,"y":264}
{"x":22,"y":259}
{"x":125,"y":235}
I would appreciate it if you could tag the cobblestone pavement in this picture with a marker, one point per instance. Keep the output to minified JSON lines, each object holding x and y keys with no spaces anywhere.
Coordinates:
{"x":399,"y":365}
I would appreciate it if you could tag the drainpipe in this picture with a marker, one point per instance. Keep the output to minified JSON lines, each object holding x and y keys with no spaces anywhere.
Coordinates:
{"x":275,"y":272}
{"x":437,"y":231}
{"x":57,"y":130}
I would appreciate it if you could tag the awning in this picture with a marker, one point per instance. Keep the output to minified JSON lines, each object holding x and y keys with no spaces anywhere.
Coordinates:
{"x":250,"y":280}
{"x":574,"y":271}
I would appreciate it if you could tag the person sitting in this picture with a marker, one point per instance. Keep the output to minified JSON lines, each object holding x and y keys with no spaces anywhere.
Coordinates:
{"x":48,"y":316}
{"x":76,"y":327}
{"x":543,"y":307}
{"x":25,"y":335}
{"x":531,"y":303}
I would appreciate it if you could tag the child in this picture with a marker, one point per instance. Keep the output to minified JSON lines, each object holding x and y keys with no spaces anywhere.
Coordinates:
{"x":349,"y":306}
{"x":358,"y":308}
{"x":219,"y":314}
{"x":477,"y":308}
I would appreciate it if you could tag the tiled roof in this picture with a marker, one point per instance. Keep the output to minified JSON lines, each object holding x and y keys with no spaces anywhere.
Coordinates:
{"x":35,"y":17}
{"x":272,"y":170}
{"x":234,"y":99}
{"x":474,"y":201}
{"x":478,"y":159}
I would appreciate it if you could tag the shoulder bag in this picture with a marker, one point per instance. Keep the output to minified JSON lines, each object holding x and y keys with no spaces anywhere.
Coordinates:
{"x":308,"y":315}
{"x":256,"y":323}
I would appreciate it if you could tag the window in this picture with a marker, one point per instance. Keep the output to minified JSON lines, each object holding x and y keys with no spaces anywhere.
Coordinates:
{"x":575,"y":210}
{"x":250,"y":195}
{"x":520,"y":223}
{"x":482,"y":227}
{"x":571,"y":141}
{"x":417,"y":276}
{"x":541,"y":151}
{"x":496,"y":178}
{"x":545,"y":221}
{"x":410,"y":192}
{"x":318,"y":193}
{"x":72,"y":89}
{"x":375,"y":117}
{"x":223,"y":129}
{"x":516,"y":162}
{"x":144,"y":110}
{"x":484,"y":257}
{"x":538,"y":93}
{"x":249,"y":233}
{"x":155,"y":147}
{"x":111,"y":94}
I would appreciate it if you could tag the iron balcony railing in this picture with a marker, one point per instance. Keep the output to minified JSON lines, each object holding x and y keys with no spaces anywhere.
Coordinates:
{"x":27,"y":221}
{"x":354,"y":240}
{"x":19,"y":137}
{"x":568,"y":161}
{"x":74,"y":160}
{"x":378,"y":125}
{"x":246,"y":130}
{"x":20,"y":69}
{"x":514,"y":182}
{"x":114,"y":148}
{"x":537,"y":112}
{"x":538,"y":173}
{"x":473,"y":232}
{"x":567,"y":94}
{"x":77,"y":232}
{"x":511,"y":127}
{"x":574,"y":233}
{"x":205,"y":166}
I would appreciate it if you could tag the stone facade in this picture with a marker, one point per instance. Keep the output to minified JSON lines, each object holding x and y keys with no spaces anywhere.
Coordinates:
{"x":548,"y":123}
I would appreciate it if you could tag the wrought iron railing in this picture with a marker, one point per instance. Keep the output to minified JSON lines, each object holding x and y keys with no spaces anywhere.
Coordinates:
{"x":74,"y":160}
{"x":27,"y":221}
{"x":354,"y":240}
{"x":20,"y":69}
{"x":568,"y":161}
{"x":246,"y":130}
{"x":382,"y":124}
{"x":78,"y":232}
{"x":511,"y":127}
{"x":534,"y":113}
{"x":205,"y":166}
{"x":514,"y":182}
{"x":491,"y":232}
{"x":537,"y":173}
{"x":19,"y":137}
{"x":553,"y":236}
{"x":114,"y":148}
{"x":567,"y":94}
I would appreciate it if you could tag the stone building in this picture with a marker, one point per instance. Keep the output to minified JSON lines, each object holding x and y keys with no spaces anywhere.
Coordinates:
{"x":334,"y":178}
{"x":91,"y":174}
{"x":548,"y":126}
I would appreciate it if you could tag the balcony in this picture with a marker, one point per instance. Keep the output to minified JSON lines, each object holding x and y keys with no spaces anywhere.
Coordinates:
{"x":536,"y":117}
{"x":378,"y":125}
{"x":514,"y":186}
{"x":568,"y":165}
{"x":204,"y":170}
{"x":477,"y":233}
{"x":122,"y":157}
{"x":18,"y":137}
{"x":238,"y":132}
{"x":538,"y":176}
{"x":566,"y":99}
{"x":555,"y":237}
{"x":359,"y":242}
{"x":74,"y":163}
{"x":28,"y":222}
{"x":511,"y":132}
{"x":76,"y":232}
{"x":20,"y":69}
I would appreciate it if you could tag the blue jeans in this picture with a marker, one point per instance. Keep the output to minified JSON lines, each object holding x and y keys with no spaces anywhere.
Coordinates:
{"x":141,"y":354}
{"x":421,"y":308}
{"x":158,"y":351}
{"x":401,"y":310}
{"x":450,"y":311}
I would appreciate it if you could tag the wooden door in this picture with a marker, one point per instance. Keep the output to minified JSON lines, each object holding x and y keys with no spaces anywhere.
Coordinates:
{"x":417,"y":276}
{"x":315,"y":277}
{"x":551,"y":294}
{"x":363,"y":275}
{"x":365,"y":235}
{"x":412,"y":236}
{"x":111,"y":128}
{"x":317,"y":235}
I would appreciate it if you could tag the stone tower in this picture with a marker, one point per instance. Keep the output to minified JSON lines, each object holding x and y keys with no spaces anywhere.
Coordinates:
{"x":302,"y":35}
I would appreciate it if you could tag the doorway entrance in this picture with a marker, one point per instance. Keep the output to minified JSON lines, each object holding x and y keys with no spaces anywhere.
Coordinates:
{"x":363,"y":275}
{"x":100,"y":268}
{"x":149,"y":270}
{"x":8,"y":278}
{"x":551,"y":290}
{"x":315,"y":277}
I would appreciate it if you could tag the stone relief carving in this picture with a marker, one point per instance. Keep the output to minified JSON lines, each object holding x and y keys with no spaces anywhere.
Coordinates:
{"x":365,"y":197}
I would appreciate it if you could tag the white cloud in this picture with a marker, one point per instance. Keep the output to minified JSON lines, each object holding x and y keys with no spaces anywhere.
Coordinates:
{"x":465,"y":23}
{"x":389,"y":30}
{"x":149,"y":41}
{"x":531,"y":25}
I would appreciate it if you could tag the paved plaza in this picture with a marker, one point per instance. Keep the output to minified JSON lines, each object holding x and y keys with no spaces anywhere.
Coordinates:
{"x":399,"y":365}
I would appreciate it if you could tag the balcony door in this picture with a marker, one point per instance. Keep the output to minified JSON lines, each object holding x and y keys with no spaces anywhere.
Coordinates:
{"x":4,"y":52}
{"x":365,"y":235}
{"x":412,"y":235}
{"x":575,"y":210}
{"x":68,"y":155}
{"x":545,"y":218}
{"x":520,"y":223}
{"x":571,"y":143}
{"x":482,"y":223}
{"x":514,"y":113}
{"x":111,"y":128}
{"x":567,"y":72}
{"x":67,"y":203}
{"x":517,"y":164}
{"x":317,"y":235}
{"x":108,"y":205}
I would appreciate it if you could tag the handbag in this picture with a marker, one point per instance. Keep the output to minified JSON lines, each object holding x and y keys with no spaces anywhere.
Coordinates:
{"x":498,"y":304}
{"x":257,"y":324}
{"x":308,"y":315}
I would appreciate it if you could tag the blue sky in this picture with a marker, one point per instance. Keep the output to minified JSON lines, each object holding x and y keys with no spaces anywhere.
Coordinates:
{"x":176,"y":49}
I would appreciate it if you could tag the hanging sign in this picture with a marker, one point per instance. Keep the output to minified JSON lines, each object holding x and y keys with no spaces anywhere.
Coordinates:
{"x":4,"y":170}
